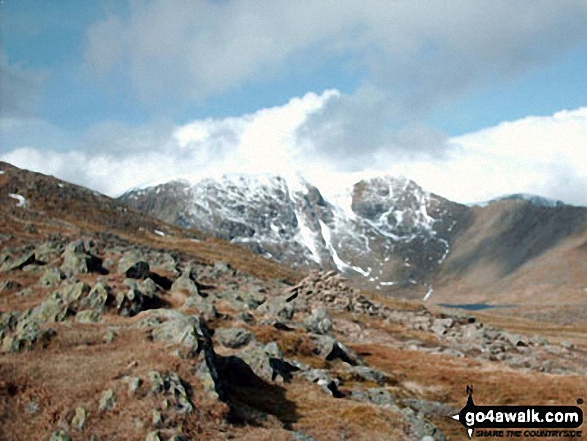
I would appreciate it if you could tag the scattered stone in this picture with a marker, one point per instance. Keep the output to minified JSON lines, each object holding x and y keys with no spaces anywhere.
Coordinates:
{"x":178,"y":328}
{"x":330,"y":349}
{"x":430,"y":408}
{"x":148,"y":287}
{"x":88,"y":316}
{"x":140,"y":270}
{"x":156,"y":418}
{"x":81,"y":415}
{"x":9,"y":285}
{"x":440,"y":326}
{"x":128,"y":259}
{"x":59,"y":436}
{"x":110,"y":336}
{"x":134,"y":383}
{"x":419,"y":427}
{"x":282,"y":368}
{"x":20,"y":262}
{"x":48,"y":251}
{"x":369,"y":374}
{"x":73,"y":292}
{"x":278,"y":308}
{"x":27,"y":336}
{"x":233,"y":337}
{"x":134,"y":301}
{"x":51,"y":311}
{"x":78,"y":260}
{"x":153,"y":436}
{"x":173,"y":387}
{"x":376,"y":395}
{"x":99,"y":297}
{"x":319,"y":321}
{"x":186,"y":283}
{"x":108,"y":400}
{"x":51,"y":278}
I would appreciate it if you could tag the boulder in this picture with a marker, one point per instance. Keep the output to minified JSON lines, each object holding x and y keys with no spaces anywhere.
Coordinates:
{"x":186,"y":283}
{"x":134,"y":301}
{"x":80,"y":417}
{"x":77,"y":260}
{"x":108,"y":400}
{"x":139,"y":270}
{"x":88,"y":316}
{"x":179,"y":328}
{"x":319,"y":322}
{"x":99,"y":297}
{"x":233,"y":337}
{"x":27,"y":336}
{"x":51,"y":310}
{"x":51,"y":278}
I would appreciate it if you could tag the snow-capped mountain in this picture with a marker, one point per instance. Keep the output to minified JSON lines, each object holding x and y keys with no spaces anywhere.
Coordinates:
{"x":387,"y":231}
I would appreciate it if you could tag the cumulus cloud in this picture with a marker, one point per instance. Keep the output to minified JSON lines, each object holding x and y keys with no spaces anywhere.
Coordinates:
{"x":420,"y":52}
{"x":541,"y":155}
{"x":112,"y":157}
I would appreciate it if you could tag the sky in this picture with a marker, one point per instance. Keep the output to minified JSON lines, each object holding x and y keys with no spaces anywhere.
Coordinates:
{"x":472,"y":99}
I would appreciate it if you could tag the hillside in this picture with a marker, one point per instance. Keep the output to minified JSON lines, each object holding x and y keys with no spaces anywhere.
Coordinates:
{"x":115,"y":325}
{"x":391,"y":236}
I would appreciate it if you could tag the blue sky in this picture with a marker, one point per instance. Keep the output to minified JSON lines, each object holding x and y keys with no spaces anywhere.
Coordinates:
{"x":98,"y":80}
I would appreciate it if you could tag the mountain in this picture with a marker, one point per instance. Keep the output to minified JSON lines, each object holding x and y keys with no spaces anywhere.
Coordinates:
{"x":539,"y":201}
{"x":118,"y":325}
{"x":390,"y":235}
{"x":385,"y":231}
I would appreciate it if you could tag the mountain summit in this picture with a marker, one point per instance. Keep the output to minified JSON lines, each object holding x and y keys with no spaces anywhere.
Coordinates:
{"x":385,"y":230}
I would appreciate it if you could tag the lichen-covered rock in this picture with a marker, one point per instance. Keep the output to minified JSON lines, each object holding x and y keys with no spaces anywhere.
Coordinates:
{"x":278,"y":308}
{"x":12,"y":263}
{"x":48,"y":251}
{"x":80,"y":417}
{"x":186,"y":283}
{"x":27,"y":335}
{"x":128,"y":259}
{"x":376,"y":395}
{"x":319,"y":321}
{"x":108,"y":400}
{"x":257,"y":357}
{"x":179,"y":328}
{"x":204,"y":307}
{"x":153,"y":436}
{"x":134,"y":383}
{"x":419,"y":427}
{"x":8,"y":322}
{"x":369,"y":374}
{"x":331,"y":350}
{"x":73,"y":292}
{"x":148,"y":287}
{"x":166,"y":262}
{"x":88,"y":316}
{"x":51,"y":278}
{"x":51,"y":310}
{"x":170,"y":385}
{"x":233,"y":337}
{"x":10,"y":285}
{"x":134,"y":301}
{"x":139,"y":270}
{"x":59,"y":436}
{"x":99,"y":297}
{"x":78,"y":260}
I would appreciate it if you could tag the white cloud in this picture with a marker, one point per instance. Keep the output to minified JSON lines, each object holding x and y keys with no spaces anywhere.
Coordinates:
{"x":542,"y":155}
{"x":419,"y":52}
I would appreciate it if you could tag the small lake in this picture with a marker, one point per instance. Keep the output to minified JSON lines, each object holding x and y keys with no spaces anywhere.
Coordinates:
{"x":473,"y":306}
